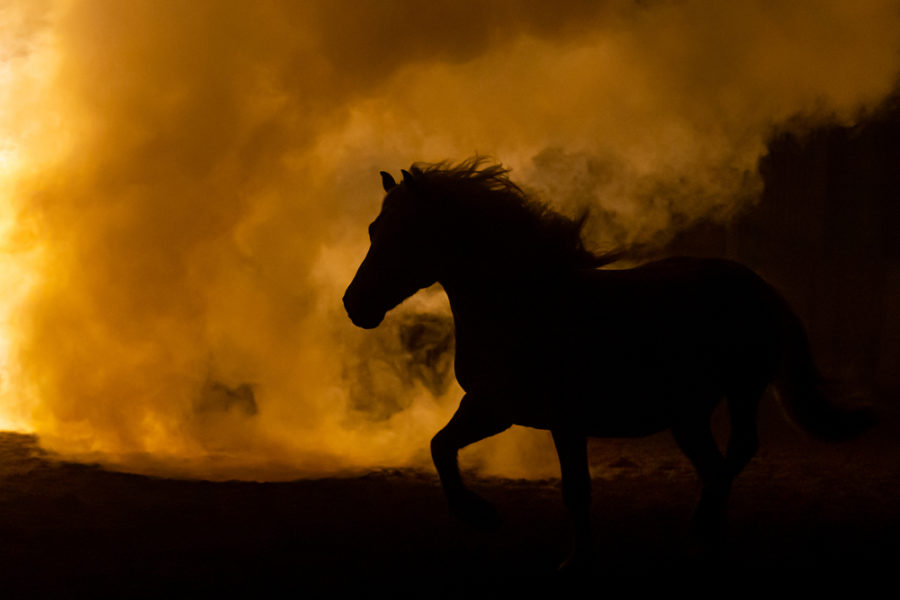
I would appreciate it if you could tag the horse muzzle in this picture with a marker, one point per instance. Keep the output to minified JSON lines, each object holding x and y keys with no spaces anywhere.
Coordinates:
{"x":367,"y":322}
{"x":363,"y":318}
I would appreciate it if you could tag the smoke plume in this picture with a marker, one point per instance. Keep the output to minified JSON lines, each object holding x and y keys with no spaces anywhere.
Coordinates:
{"x":184,"y":190}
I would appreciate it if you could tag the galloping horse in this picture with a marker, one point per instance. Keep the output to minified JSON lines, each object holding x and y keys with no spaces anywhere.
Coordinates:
{"x":548,"y":339}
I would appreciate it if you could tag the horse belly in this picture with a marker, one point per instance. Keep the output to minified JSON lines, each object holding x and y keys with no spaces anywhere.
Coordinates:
{"x":595,"y":410}
{"x":632,"y":397}
{"x":611,"y":413}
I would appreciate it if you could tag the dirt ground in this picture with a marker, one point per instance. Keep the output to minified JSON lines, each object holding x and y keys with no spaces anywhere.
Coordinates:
{"x":804,"y":514}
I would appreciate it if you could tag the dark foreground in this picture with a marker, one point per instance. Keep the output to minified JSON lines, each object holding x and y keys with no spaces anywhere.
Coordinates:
{"x":804,"y":514}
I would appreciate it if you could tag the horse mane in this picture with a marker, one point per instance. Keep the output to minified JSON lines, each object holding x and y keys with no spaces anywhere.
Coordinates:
{"x":485,"y":192}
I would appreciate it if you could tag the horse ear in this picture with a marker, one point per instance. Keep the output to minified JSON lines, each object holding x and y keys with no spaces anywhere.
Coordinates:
{"x":387,"y":181}
{"x":407,"y":178}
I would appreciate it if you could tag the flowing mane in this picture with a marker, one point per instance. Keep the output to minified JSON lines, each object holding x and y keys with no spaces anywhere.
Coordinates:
{"x":483,"y":192}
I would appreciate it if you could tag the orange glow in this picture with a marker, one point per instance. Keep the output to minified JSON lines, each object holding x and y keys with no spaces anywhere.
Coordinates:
{"x":184,"y":189}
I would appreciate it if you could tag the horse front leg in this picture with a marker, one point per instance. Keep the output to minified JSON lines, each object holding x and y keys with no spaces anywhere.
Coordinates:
{"x":473,"y":421}
{"x":576,"y":489}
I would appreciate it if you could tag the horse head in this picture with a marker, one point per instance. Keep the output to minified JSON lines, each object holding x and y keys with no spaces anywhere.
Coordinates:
{"x":403,"y":255}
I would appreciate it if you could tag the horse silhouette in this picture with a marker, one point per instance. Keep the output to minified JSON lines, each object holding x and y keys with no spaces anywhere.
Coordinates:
{"x":548,"y":339}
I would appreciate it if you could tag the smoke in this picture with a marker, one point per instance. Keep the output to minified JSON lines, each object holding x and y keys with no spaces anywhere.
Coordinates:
{"x":185,"y":189}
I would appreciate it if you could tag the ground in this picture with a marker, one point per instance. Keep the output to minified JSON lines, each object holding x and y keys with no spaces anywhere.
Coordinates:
{"x":804,"y":512}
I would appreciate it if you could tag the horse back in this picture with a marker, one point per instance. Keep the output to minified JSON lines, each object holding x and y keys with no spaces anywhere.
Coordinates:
{"x":681,"y":292}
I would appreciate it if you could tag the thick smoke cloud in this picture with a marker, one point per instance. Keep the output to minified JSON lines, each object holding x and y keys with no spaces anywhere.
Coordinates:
{"x":185,"y":188}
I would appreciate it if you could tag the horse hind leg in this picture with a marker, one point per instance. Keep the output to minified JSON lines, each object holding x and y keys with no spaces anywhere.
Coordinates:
{"x":744,"y":440}
{"x":717,"y":473}
{"x":696,"y":440}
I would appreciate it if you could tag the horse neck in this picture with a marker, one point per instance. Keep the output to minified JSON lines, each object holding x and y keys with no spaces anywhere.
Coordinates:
{"x":488,"y":287}
{"x":484,"y":269}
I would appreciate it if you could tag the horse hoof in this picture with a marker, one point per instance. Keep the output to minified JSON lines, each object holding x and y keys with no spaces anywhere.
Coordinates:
{"x":477,"y":512}
{"x":708,"y":524}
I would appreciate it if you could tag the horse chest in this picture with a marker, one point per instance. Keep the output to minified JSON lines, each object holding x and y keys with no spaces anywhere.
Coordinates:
{"x":483,"y":361}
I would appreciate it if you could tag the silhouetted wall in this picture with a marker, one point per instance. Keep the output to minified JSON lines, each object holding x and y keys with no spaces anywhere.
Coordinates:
{"x":825,"y":233}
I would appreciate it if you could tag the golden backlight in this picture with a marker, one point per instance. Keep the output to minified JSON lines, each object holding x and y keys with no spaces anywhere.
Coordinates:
{"x":185,"y":189}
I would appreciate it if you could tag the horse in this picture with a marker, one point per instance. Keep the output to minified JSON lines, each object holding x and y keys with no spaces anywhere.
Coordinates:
{"x":549,"y":336}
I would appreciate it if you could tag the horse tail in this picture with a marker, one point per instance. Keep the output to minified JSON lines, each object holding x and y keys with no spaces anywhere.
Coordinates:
{"x":800,"y":387}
